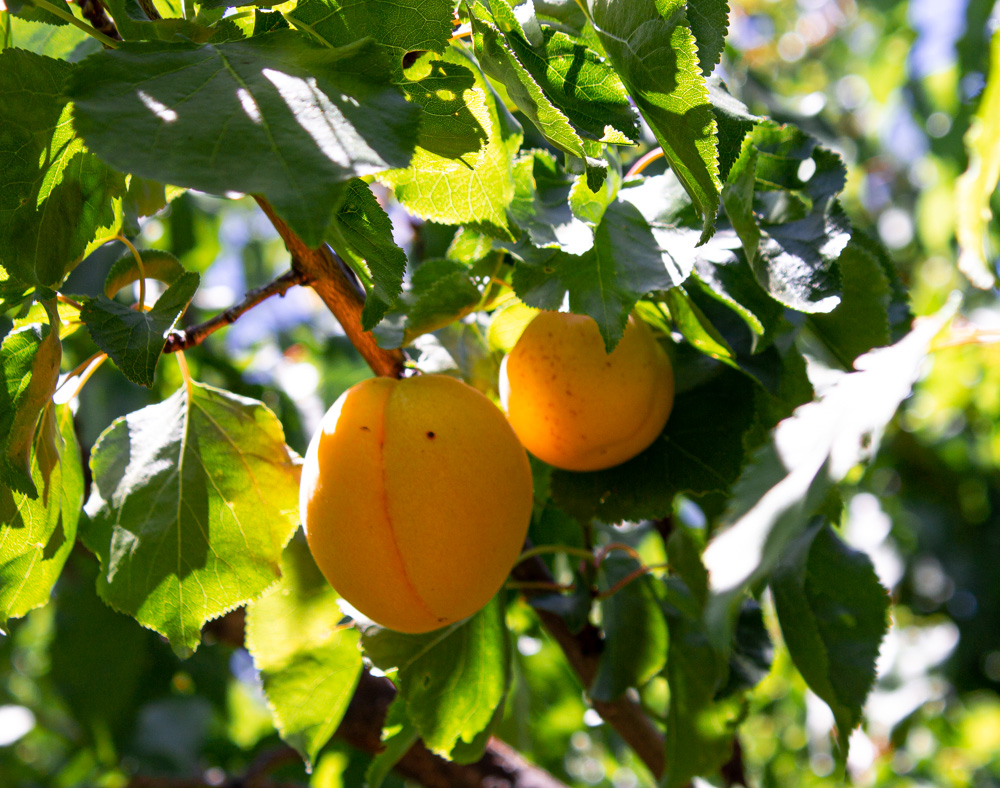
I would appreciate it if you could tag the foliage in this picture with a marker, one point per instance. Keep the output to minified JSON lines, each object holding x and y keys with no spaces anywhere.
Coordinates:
{"x":467,"y":164}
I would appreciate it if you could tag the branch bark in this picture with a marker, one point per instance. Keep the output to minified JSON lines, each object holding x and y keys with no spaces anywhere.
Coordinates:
{"x":195,"y":335}
{"x":329,"y":277}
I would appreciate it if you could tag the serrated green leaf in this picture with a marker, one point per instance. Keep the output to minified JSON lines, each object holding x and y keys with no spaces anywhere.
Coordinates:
{"x":156,"y":264}
{"x":700,"y":726}
{"x":309,"y":666}
{"x":699,"y":451}
{"x":695,"y":327}
{"x":735,"y":121}
{"x":709,"y":24}
{"x":29,"y":359}
{"x":833,"y":614}
{"x":134,"y":340}
{"x":398,"y":735}
{"x":542,"y":207}
{"x":453,"y":679}
{"x":635,"y":631}
{"x":571,"y":76}
{"x":461,"y":171}
{"x":510,"y":60}
{"x":791,"y":475}
{"x":976,"y":185}
{"x":362,"y":233}
{"x":300,"y":112}
{"x":192,"y":502}
{"x":651,"y":46}
{"x":396,"y":26}
{"x":861,"y":320}
{"x":780,"y":198}
{"x":53,"y":193}
{"x":37,"y":533}
{"x":69,"y":317}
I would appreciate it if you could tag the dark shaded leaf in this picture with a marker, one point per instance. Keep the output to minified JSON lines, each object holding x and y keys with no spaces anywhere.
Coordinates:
{"x":300,"y":113}
{"x":833,"y":616}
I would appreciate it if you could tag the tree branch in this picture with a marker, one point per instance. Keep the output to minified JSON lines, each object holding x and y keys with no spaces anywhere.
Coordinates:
{"x":182,"y":340}
{"x":330,"y":280}
{"x":95,"y":13}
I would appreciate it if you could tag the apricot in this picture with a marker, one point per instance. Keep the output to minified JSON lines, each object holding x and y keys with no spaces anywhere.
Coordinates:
{"x":575,"y":406}
{"x":415,"y":499}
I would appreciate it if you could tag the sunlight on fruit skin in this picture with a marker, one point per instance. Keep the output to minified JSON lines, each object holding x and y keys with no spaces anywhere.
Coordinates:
{"x":578,"y":408}
{"x":415,"y":499}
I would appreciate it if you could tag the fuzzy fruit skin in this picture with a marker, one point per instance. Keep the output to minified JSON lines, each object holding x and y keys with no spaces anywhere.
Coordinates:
{"x":578,"y":408}
{"x":415,"y":498}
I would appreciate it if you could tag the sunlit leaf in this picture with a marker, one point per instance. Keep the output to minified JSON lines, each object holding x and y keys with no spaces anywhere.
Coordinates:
{"x":651,"y":46}
{"x":192,"y":502}
{"x":37,"y":533}
{"x":461,"y":171}
{"x":54,"y":195}
{"x":452,"y":679}
{"x":975,"y":187}
{"x":309,"y":665}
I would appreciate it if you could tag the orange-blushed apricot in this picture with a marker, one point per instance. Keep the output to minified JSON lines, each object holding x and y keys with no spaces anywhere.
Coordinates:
{"x":415,"y":499}
{"x":577,"y":407}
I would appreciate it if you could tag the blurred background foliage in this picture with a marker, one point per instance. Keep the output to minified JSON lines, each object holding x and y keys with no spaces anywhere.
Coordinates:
{"x":88,"y":698}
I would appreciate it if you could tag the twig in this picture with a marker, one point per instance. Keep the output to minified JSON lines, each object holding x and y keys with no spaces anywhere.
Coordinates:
{"x":181,"y":340}
{"x":104,"y":32}
{"x":339,"y":293}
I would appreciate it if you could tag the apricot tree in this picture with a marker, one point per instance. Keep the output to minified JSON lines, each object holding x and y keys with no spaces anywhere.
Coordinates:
{"x":550,"y":155}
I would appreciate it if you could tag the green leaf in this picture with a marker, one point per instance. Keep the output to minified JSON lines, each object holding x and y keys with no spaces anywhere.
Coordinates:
{"x":38,"y":532}
{"x":861,"y":320}
{"x":396,"y":26}
{"x":792,"y":474}
{"x":641,"y":246}
{"x":541,"y":204}
{"x":362,"y":234}
{"x":566,"y":88}
{"x":501,"y":63}
{"x":54,"y":39}
{"x":635,"y":631}
{"x":54,"y":195}
{"x":398,"y":735}
{"x":309,"y":665}
{"x":300,"y":113}
{"x":452,"y":679}
{"x":135,"y":24}
{"x":695,"y":327}
{"x":699,"y":451}
{"x":735,"y":121}
{"x":700,"y":726}
{"x":780,"y":198}
{"x":833,"y":616}
{"x":156,"y":264}
{"x":134,"y":340}
{"x":651,"y":46}
{"x":461,"y":171}
{"x":752,"y":650}
{"x":709,"y":23}
{"x":727,"y":278}
{"x":29,"y":358}
{"x":975,"y":187}
{"x":192,"y":502}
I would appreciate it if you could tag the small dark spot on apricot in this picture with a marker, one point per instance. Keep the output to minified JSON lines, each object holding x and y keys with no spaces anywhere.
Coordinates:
{"x":366,"y":429}
{"x":431,"y":435}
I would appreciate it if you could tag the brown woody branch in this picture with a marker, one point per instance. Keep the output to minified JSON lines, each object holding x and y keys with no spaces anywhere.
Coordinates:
{"x":182,"y":340}
{"x":331,"y":279}
{"x":95,"y":13}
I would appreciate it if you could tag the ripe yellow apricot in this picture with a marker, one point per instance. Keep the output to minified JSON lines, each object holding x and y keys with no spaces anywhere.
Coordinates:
{"x":415,"y":499}
{"x":575,"y":406}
